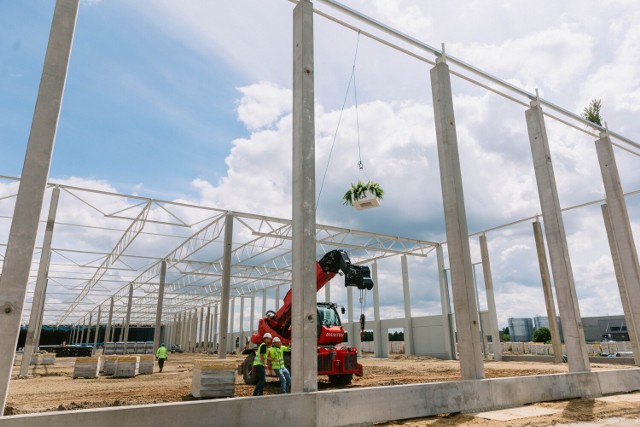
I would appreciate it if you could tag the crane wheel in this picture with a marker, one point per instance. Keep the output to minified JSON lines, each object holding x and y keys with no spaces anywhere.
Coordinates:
{"x":340,"y":379}
{"x":248,"y":375}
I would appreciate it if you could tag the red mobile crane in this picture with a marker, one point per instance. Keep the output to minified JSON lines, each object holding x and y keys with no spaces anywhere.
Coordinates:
{"x":339,"y":362}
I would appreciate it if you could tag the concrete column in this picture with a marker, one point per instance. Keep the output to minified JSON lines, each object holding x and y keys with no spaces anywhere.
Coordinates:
{"x":491,"y":302}
{"x":194,"y":331}
{"x":445,"y":302}
{"x":351,"y":341}
{"x":122,"y":331}
{"x":548,"y":293}
{"x":377,"y":325}
{"x":128,"y":315}
{"x":408,"y":323}
{"x":622,"y":288}
{"x":201,"y":331}
{"x":89,"y":329}
{"x":557,"y":242}
{"x":37,"y":305}
{"x":72,"y":338}
{"x":207,"y":330}
{"x":622,"y":239}
{"x":174,"y":330}
{"x":185,"y":331}
{"x":241,"y":322}
{"x":107,"y":332}
{"x":226,"y":286}
{"x":95,"y":338}
{"x":35,"y":171}
{"x":84,"y":322}
{"x":469,"y":345}
{"x":304,"y":292}
{"x":252,"y":328}
{"x":277,"y":303}
{"x":216,"y":337}
{"x":232,"y":318}
{"x":180,"y":334}
{"x":264,"y":303}
{"x":327,"y":292}
{"x":158,"y":325}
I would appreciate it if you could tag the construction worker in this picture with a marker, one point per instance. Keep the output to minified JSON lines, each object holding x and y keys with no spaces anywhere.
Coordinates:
{"x":259,"y":363}
{"x":161,"y":355}
{"x":276,"y":355}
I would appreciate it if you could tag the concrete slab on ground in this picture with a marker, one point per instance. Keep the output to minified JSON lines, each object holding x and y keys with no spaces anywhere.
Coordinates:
{"x":517,"y":413}
{"x":609,"y":422}
{"x":632,"y":397}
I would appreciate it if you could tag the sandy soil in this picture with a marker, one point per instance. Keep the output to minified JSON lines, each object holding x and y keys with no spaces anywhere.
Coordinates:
{"x":51,"y":388}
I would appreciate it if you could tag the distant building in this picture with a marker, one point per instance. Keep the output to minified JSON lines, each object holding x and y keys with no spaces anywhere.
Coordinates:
{"x":609,"y":328}
{"x":520,"y":329}
{"x":543,"y":321}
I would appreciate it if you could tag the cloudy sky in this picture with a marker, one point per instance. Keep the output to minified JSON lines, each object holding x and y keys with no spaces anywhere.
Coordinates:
{"x":192,"y":101}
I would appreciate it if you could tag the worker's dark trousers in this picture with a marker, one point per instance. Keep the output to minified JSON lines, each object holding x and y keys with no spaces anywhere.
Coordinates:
{"x":262,"y":380}
{"x":161,"y":363}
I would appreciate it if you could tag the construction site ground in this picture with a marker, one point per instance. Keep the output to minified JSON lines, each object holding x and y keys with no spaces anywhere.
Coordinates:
{"x":52,"y":388}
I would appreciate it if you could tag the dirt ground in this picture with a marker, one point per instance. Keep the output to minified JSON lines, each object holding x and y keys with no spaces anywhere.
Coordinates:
{"x":51,"y":388}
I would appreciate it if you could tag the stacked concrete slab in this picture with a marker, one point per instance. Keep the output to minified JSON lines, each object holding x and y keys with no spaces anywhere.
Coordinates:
{"x":213,"y":378}
{"x":146,"y":364}
{"x":109,"y":364}
{"x":86,"y":367}
{"x":127,"y":366}
{"x":120,"y":347}
{"x":48,"y":359}
{"x":34,"y":359}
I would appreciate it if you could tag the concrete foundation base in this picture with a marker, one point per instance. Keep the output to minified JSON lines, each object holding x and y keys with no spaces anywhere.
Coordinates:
{"x":362,"y":406}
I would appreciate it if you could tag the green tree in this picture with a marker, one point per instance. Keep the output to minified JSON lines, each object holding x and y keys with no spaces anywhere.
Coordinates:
{"x":542,"y":334}
{"x":592,"y":112}
{"x":504,"y":334}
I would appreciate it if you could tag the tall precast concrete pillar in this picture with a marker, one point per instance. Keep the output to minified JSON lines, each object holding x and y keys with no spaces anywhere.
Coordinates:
{"x":128,"y":315}
{"x":352,"y":327}
{"x":158,"y":325}
{"x":89,"y":329}
{"x":37,"y":305}
{"x":548,"y":293}
{"x":264,"y":302}
{"x":232,"y":318}
{"x":491,"y":302}
{"x":252,"y":326}
{"x":207,"y":330}
{"x":107,"y":332}
{"x":557,"y":241}
{"x":277,"y":302}
{"x":445,"y":303}
{"x":216,"y":335}
{"x":327,"y":292}
{"x":408,"y":323}
{"x":226,"y":286}
{"x":304,"y":292}
{"x":466,"y":309}
{"x":623,"y":236}
{"x":84,"y":322}
{"x":201,"y":330}
{"x":241,"y":322}
{"x":95,"y":338}
{"x":122,"y":330}
{"x":377,"y":324}
{"x":194,"y":331}
{"x":35,"y":171}
{"x":624,"y":297}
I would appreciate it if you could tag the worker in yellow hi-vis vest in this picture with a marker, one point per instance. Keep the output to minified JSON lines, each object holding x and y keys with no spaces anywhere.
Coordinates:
{"x":276,"y":354}
{"x":259,"y":364}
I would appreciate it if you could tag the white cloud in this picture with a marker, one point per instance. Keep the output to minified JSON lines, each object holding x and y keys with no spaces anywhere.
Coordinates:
{"x":262,"y":104}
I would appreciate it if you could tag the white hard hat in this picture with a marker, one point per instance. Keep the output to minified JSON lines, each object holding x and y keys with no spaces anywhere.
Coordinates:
{"x":267,"y":335}
{"x":276,"y":339}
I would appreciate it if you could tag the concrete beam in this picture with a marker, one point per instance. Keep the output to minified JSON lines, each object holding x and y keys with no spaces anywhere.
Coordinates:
{"x":37,"y":305}
{"x":557,"y":241}
{"x":35,"y":171}
{"x":304,"y":292}
{"x":466,"y":309}
{"x":548,"y":293}
{"x":226,"y":286}
{"x":622,"y":234}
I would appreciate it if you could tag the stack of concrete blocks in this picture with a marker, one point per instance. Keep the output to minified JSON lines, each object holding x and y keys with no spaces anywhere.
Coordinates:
{"x":148,"y":347}
{"x":213,"y":378}
{"x":86,"y":367}
{"x":109,"y":364}
{"x":127,"y":366}
{"x":48,"y":359}
{"x":146,"y":364}
{"x":109,"y":348}
{"x":130,"y":348}
{"x":120,"y":347}
{"x":34,"y":359}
